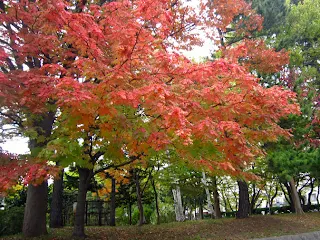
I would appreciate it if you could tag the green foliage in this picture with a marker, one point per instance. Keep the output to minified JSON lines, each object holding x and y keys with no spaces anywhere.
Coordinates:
{"x":122,"y":217}
{"x":147,"y":210}
{"x":273,"y":12}
{"x":301,"y":35}
{"x":135,"y":215}
{"x":69,"y":151}
{"x":286,"y":161}
{"x":201,"y":149}
{"x":11,"y":221}
{"x":296,"y":29}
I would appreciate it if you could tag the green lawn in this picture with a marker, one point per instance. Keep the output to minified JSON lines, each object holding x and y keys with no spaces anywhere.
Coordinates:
{"x":253,"y":227}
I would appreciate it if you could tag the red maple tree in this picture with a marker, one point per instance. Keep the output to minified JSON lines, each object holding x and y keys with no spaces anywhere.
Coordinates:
{"x":92,"y":67}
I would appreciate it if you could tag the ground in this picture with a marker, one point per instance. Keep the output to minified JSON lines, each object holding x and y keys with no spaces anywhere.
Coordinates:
{"x":230,"y":229}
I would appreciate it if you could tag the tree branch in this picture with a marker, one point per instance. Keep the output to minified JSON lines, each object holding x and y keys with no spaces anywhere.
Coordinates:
{"x":131,"y":160}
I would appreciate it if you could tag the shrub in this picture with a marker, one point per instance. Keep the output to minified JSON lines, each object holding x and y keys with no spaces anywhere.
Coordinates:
{"x":11,"y":220}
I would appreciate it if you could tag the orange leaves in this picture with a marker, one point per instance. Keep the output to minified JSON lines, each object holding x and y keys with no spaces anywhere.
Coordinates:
{"x":224,"y":12}
{"x":205,"y":129}
{"x":158,"y":141}
{"x":254,"y":54}
{"x":227,"y":167}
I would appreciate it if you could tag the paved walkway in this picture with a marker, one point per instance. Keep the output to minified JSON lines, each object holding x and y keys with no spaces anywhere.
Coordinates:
{"x":304,"y":236}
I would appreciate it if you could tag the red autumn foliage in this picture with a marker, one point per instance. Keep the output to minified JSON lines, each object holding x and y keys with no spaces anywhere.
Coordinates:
{"x":14,"y":168}
{"x":95,"y":62}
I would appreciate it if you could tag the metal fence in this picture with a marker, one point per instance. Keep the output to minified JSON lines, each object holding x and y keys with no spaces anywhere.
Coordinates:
{"x":97,"y":213}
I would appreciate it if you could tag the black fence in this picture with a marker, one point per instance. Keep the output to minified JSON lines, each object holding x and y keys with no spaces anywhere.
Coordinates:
{"x":97,"y":213}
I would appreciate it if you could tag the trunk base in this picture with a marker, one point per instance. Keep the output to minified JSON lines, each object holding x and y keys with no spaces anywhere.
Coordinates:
{"x":34,"y":224}
{"x":243,"y":210}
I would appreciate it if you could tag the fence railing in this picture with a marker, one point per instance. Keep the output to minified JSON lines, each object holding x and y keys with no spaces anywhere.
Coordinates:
{"x":97,"y":213}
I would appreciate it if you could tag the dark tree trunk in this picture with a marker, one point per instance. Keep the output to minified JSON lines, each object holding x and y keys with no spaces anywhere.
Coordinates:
{"x":34,"y":223}
{"x":84,"y":180}
{"x":195,"y":208}
{"x":295,"y":197}
{"x":272,"y":199}
{"x":113,"y":203}
{"x":318,"y":193}
{"x":310,"y":194}
{"x":243,"y":209}
{"x":130,"y":213}
{"x":217,"y":211}
{"x":201,"y":208}
{"x":56,"y":207}
{"x":139,"y":198}
{"x":190,"y":211}
{"x":254,"y":198}
{"x":302,"y":200}
{"x":100,"y":207}
{"x":288,"y":195}
{"x":156,"y":200}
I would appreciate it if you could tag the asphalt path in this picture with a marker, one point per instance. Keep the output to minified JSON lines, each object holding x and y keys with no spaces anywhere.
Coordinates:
{"x":303,"y":236}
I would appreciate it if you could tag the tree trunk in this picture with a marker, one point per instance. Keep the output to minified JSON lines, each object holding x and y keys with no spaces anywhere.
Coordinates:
{"x":210,"y":207}
{"x":216,"y":199}
{"x":100,"y":207}
{"x":195,"y":209}
{"x":289,"y":198}
{"x":178,"y":204}
{"x":272,"y":199}
{"x":310,"y":194}
{"x":156,"y":200}
{"x":139,"y":199}
{"x":295,"y":197}
{"x":34,"y":223}
{"x":56,"y":207}
{"x":318,"y":193}
{"x":130,"y":213}
{"x":201,"y":207}
{"x":267,"y":207}
{"x":190,"y":212}
{"x":243,"y":209}
{"x":254,"y":198}
{"x":84,"y":180}
{"x":113,"y":203}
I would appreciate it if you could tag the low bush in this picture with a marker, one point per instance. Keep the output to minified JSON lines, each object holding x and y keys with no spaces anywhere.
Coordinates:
{"x":11,"y":221}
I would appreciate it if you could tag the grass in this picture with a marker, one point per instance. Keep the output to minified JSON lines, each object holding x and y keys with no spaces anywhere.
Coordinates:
{"x":222,"y":229}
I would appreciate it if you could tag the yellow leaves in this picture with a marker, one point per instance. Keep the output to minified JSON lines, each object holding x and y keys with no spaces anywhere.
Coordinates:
{"x":103,"y":193}
{"x":17,"y":187}
{"x":106,"y":190}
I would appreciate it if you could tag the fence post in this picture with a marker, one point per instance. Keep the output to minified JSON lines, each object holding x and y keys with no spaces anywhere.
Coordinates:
{"x":86,"y":212}
{"x":99,"y":212}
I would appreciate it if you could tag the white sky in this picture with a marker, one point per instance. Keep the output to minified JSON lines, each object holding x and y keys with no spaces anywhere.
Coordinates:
{"x":200,"y":52}
{"x":17,"y":145}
